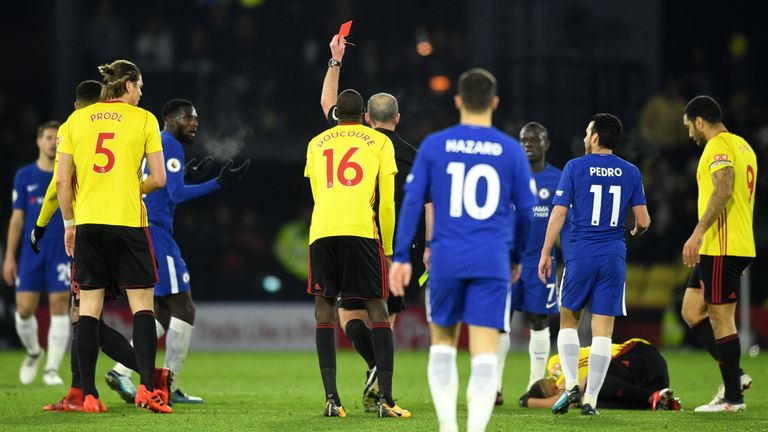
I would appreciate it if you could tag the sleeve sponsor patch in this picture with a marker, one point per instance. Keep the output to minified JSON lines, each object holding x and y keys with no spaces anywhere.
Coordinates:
{"x":174,"y":165}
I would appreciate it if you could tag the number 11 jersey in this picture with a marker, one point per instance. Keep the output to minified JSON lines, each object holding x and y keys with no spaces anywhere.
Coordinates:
{"x":108,"y":142}
{"x":599,"y":189}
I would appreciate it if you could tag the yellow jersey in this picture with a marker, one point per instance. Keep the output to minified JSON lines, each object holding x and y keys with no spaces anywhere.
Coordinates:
{"x":731,"y":234}
{"x":108,"y":142}
{"x":348,"y":167}
{"x":555,"y":370}
{"x":50,"y":202}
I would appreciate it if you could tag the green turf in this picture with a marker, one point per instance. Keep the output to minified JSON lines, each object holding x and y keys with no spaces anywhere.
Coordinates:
{"x":282,"y":391}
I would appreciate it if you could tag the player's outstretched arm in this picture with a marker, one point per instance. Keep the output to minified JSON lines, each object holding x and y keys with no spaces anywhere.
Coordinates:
{"x":642,"y":220}
{"x":331,"y":82}
{"x":157,"y":176}
{"x":555,"y":225}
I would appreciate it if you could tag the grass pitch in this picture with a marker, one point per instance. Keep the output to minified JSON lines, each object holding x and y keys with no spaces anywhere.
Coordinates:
{"x":281,"y":391}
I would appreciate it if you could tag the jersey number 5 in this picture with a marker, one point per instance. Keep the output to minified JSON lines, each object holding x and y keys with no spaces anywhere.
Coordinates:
{"x":341,"y":171}
{"x":100,"y":149}
{"x":464,"y":190}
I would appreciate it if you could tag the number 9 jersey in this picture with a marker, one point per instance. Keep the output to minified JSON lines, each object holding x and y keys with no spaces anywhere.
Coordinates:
{"x":731,"y":234}
{"x":348,"y":166}
{"x":108,"y":141}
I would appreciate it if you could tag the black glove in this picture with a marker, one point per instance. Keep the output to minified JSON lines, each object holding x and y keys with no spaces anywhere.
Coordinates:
{"x":194,"y":171}
{"x":35,"y":237}
{"x":229,"y":175}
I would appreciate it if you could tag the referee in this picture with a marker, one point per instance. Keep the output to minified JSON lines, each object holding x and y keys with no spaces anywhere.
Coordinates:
{"x":101,"y":150}
{"x":383,"y":115}
{"x":722,"y":245}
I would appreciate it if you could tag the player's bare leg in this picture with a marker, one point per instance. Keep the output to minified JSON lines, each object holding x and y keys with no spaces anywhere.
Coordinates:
{"x":481,"y":389}
{"x":58,"y":336}
{"x":26,"y":328}
{"x":568,"y":347}
{"x":443,"y":374}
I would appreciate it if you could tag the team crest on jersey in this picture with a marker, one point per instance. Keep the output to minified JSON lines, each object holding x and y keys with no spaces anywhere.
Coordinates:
{"x":544,"y":193}
{"x":174,"y":165}
{"x":185,"y":277}
{"x":59,"y":139}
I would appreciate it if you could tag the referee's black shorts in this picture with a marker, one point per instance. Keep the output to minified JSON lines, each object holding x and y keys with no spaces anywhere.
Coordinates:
{"x":719,"y":277}
{"x":349,"y":267}
{"x":110,"y":255}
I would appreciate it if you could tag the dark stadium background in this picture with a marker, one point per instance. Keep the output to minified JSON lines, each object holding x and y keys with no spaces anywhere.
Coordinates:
{"x":254,"y":69}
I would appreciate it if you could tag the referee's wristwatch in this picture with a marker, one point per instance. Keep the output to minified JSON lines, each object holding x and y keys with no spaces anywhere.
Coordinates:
{"x":334,"y":63}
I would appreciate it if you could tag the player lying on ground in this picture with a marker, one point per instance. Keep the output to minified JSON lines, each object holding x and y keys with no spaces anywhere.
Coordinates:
{"x":637,"y":378}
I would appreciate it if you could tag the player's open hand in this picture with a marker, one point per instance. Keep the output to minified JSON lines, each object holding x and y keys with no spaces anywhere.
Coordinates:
{"x":194,"y":171}
{"x":399,"y":278}
{"x":69,"y":241}
{"x":545,"y":268}
{"x":338,"y":46}
{"x":10,"y":270}
{"x":691,"y":250}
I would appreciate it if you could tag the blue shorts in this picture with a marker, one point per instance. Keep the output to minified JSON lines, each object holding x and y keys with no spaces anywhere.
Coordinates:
{"x":530,"y":295}
{"x":600,"y":279}
{"x":47,"y":271}
{"x":477,"y":302}
{"x":173,"y":277}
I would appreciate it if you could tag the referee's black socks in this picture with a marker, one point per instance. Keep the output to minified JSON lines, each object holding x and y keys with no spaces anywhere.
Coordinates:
{"x":728,"y":357}
{"x":145,"y":345}
{"x":360,"y":335}
{"x":325,"y":341}
{"x":87,"y":353}
{"x":384,"y":349}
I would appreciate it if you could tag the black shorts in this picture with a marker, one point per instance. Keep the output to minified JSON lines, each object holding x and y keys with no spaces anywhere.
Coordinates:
{"x":348,"y":267}
{"x":642,"y":365}
{"x":111,"y":294}
{"x":394,"y":304}
{"x":109,"y":255}
{"x":719,"y":277}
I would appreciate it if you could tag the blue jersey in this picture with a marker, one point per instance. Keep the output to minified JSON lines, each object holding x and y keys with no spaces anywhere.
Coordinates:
{"x":29,"y":188}
{"x":162,"y":203}
{"x":546,"y":184}
{"x":474,"y":175}
{"x":599,"y":188}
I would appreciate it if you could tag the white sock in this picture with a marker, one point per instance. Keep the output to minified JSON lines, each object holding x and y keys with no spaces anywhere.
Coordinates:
{"x":125,"y":371}
{"x":443,"y":377}
{"x":538,"y":351}
{"x":481,"y":392}
{"x":568,"y":348}
{"x":599,"y":360}
{"x":501,"y":356}
{"x":177,"y":344}
{"x":58,"y":341}
{"x":27,"y":330}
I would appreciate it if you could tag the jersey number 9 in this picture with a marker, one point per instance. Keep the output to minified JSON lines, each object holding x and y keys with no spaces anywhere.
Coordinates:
{"x":100,"y":149}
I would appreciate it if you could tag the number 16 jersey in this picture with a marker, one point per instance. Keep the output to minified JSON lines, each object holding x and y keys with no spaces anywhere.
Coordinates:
{"x":346,"y":166}
{"x":108,"y":141}
{"x":598,"y":189}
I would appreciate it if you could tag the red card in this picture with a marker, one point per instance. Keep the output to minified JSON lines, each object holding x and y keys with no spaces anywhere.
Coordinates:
{"x":345,"y":28}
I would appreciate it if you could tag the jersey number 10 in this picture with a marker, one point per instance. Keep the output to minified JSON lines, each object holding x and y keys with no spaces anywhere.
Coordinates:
{"x":464,"y":190}
{"x":597,"y":203}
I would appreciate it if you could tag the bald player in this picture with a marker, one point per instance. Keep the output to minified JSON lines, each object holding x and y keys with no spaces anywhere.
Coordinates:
{"x":536,"y":299}
{"x":383,"y":115}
